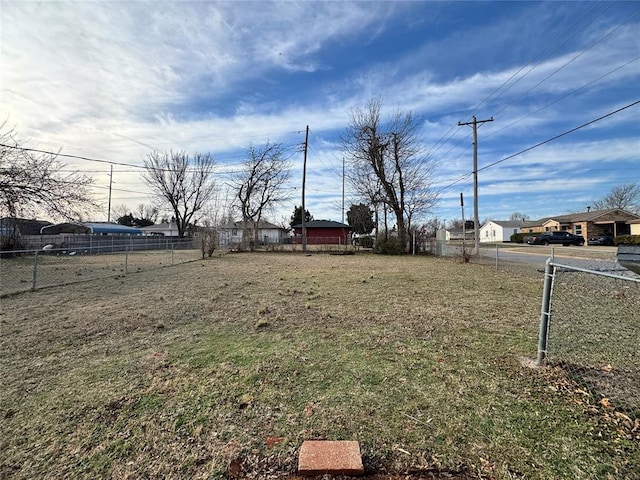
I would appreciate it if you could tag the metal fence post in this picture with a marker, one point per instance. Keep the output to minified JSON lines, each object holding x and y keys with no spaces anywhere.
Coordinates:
{"x":172,"y":254}
{"x":545,"y":311}
{"x":126,"y":261}
{"x":497,"y":250}
{"x":35,"y":270}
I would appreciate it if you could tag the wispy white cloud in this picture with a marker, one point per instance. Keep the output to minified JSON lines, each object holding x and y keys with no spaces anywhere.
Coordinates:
{"x":114,"y":80}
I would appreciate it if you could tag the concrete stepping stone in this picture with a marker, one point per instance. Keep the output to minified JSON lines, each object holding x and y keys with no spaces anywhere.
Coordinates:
{"x":318,"y":457}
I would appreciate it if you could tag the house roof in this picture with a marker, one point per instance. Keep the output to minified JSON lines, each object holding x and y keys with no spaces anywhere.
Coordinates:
{"x":323,"y":224}
{"x":536,"y":223}
{"x":160,"y":227}
{"x":24,"y":225}
{"x":263,"y":224}
{"x":90,"y":227}
{"x":508,"y":223}
{"x":580,"y":217}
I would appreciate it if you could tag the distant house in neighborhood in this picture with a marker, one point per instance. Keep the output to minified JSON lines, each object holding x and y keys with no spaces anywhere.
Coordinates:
{"x":322,"y":232}
{"x":268,"y":233}
{"x":90,"y":228}
{"x":499,"y":230}
{"x":162,"y":229}
{"x":448,"y":234}
{"x":613,"y":221}
{"x":21,"y":226}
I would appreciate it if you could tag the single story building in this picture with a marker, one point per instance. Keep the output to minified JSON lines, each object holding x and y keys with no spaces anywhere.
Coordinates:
{"x":447,"y":234}
{"x":162,"y":229}
{"x":499,"y":230}
{"x":323,"y":232}
{"x":613,"y":222}
{"x":268,"y":233}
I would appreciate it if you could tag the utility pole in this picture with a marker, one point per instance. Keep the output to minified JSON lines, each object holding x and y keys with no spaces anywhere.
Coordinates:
{"x":110,"y":183}
{"x":464,"y":230}
{"x":304,"y":179}
{"x":476,"y":220}
{"x":343,"y":190}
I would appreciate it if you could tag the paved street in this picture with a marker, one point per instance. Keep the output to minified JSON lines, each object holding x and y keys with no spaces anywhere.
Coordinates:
{"x":601,"y":259}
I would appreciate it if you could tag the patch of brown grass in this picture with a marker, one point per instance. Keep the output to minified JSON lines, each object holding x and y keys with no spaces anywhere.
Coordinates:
{"x":189,"y":373}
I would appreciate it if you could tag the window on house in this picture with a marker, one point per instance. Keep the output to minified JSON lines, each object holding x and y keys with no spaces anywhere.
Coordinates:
{"x":234,"y":232}
{"x":578,"y":229}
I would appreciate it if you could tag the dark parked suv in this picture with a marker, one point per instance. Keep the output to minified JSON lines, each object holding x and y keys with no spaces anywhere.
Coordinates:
{"x":604,"y":240}
{"x":561,"y":237}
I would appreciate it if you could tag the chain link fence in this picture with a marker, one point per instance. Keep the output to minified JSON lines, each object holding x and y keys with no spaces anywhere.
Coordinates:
{"x":591,"y":306}
{"x":530,"y":260}
{"x":22,"y":270}
{"x":590,"y":329}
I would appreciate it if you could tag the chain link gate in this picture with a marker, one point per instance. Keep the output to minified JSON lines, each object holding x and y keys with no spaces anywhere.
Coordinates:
{"x":590,"y":329}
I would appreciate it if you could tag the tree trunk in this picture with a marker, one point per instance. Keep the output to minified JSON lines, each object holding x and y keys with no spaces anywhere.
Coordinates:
{"x":247,"y":241}
{"x":386,"y":225}
{"x":256,"y":231}
{"x":402,"y":231}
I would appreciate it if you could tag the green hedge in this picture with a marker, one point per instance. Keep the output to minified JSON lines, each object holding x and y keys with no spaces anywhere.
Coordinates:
{"x":389,"y":246}
{"x":365,"y":242}
{"x":518,"y":237}
{"x":627,"y":240}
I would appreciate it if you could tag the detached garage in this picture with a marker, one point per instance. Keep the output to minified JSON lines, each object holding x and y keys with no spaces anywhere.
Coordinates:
{"x":323,"y":232}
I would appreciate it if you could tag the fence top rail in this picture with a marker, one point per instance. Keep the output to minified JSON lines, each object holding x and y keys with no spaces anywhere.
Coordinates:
{"x":31,"y":250}
{"x":595,"y":272}
{"x":87,"y":249}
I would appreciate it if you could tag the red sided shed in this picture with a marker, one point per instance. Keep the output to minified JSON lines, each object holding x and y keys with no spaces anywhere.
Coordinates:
{"x":323,"y":232}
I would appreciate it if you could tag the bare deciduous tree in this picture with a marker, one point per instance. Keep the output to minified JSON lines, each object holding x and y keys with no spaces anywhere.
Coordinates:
{"x":388,"y":157}
{"x":518,"y":217}
{"x":624,"y":197}
{"x":260,"y":185}
{"x":120,"y":210}
{"x":182,"y":181}
{"x":34,"y":183}
{"x":147,"y":213}
{"x":143,"y":216}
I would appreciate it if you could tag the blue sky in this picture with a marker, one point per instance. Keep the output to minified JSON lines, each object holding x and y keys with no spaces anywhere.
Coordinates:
{"x":114,"y":80}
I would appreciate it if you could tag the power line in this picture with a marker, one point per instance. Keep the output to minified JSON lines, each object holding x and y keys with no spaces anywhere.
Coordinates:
{"x":112,"y":162}
{"x":539,"y":55}
{"x":561,"y":135}
{"x":450,"y":133}
{"x":572,"y":92}
{"x":573,"y":59}
{"x":467,"y":175}
{"x":67,"y":155}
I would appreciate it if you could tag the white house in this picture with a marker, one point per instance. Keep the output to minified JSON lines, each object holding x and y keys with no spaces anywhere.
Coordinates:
{"x":447,"y":235}
{"x":166,"y":229}
{"x":268,"y":233}
{"x":499,"y":230}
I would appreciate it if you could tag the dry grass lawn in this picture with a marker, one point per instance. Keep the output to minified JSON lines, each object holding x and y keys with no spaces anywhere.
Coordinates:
{"x":223,"y":367}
